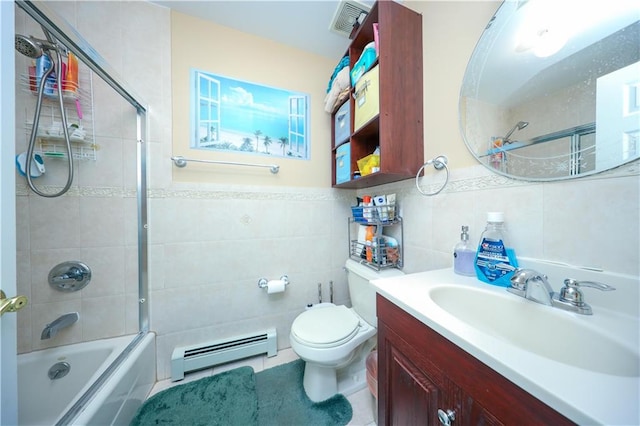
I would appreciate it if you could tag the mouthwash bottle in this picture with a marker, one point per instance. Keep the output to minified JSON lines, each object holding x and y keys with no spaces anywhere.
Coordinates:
{"x":495,"y":259}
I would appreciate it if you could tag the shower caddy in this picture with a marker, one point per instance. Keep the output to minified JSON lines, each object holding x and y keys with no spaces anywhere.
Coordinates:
{"x":383,"y":217}
{"x":79,"y":110}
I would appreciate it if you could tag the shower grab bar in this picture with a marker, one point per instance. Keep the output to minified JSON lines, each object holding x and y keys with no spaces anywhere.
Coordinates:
{"x":180,"y":161}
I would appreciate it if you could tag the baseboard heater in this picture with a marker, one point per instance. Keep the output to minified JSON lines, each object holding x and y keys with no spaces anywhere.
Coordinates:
{"x":197,"y":357}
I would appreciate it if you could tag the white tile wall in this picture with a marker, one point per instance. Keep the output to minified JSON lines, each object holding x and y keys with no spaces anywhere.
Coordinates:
{"x":96,"y":221}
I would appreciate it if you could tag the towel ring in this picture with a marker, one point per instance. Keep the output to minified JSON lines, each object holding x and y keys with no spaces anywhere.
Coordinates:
{"x":438,"y":163}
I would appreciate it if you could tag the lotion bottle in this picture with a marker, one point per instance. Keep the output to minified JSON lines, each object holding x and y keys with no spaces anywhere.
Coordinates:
{"x":464,"y":255}
{"x":369,"y":243}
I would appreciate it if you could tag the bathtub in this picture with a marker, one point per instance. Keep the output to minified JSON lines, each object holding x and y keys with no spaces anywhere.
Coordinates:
{"x":106,"y":383}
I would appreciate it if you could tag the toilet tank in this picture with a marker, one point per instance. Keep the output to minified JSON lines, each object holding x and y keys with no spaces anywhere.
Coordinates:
{"x":361,"y":292}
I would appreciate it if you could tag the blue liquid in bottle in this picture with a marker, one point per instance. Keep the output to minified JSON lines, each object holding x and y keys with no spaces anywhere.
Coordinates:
{"x":495,"y":261}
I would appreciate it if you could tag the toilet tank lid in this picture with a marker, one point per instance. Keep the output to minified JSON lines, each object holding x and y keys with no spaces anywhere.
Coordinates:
{"x":370,"y":274}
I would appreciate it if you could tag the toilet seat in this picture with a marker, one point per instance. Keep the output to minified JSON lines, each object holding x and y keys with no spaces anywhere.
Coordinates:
{"x":325,"y":327}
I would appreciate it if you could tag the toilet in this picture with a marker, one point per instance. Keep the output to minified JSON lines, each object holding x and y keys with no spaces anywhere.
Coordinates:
{"x":334,"y":340}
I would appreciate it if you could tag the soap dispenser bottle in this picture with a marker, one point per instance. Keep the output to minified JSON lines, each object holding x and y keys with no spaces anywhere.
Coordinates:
{"x":463,"y":255}
{"x":495,"y":259}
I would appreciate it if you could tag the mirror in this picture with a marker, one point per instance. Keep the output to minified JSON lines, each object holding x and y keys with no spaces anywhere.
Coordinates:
{"x":552,"y":89}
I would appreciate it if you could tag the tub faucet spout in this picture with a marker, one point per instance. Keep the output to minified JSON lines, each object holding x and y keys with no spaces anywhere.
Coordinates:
{"x":66,"y":320}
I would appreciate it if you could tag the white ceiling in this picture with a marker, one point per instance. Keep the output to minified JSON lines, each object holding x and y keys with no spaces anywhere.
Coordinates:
{"x":299,"y":23}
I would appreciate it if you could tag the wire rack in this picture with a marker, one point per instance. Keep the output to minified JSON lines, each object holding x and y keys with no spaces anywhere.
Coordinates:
{"x":78,"y":104}
{"x":382,"y":214}
{"x":378,"y":253}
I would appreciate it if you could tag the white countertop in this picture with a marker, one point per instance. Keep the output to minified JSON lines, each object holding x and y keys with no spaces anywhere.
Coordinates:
{"x":584,"y":396}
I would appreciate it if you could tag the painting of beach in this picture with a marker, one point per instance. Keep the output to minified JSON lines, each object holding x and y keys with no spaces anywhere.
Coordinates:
{"x":240,"y":116}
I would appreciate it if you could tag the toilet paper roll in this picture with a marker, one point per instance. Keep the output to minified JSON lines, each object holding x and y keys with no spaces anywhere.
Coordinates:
{"x":275,"y":286}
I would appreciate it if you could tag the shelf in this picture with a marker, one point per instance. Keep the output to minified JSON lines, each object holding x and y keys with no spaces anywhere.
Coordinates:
{"x":383,"y":256}
{"x":397,"y":129}
{"x":78,"y":107}
{"x":80,"y":151}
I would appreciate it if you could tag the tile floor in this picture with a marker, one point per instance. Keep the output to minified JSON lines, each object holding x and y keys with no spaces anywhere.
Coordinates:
{"x":360,"y":401}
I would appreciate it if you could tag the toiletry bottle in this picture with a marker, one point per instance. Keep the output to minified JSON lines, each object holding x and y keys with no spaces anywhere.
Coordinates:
{"x":32,"y":77}
{"x":369,"y":236}
{"x":495,"y":259}
{"x":43,"y":63}
{"x":70,"y":83}
{"x":380,"y":201}
{"x":367,"y":209}
{"x":50,"y":84}
{"x":464,"y":255}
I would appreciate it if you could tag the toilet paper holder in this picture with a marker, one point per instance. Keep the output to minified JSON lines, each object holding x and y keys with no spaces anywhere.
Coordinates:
{"x":263,"y":282}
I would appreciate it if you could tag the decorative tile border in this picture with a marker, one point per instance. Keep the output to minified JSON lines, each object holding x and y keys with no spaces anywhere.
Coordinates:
{"x":477,"y":178}
{"x":22,"y":190}
{"x":473,"y":178}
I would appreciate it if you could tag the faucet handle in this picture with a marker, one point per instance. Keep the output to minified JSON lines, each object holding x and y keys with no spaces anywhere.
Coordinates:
{"x":571,"y":291}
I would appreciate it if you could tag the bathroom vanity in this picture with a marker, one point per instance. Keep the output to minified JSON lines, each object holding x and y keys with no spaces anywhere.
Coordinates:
{"x":453,"y":350}
{"x":423,"y":376}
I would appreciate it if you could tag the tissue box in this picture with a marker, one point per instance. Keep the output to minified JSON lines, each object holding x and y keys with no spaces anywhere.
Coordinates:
{"x":342,"y":123}
{"x":343,"y":163}
{"x":367,"y":104}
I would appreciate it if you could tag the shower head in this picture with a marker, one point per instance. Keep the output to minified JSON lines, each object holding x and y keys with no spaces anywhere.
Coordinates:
{"x":519,"y":126}
{"x":33,"y":47}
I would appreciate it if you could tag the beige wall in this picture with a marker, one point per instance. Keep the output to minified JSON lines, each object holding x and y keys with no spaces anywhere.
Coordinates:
{"x":450,"y":31}
{"x":220,"y":50}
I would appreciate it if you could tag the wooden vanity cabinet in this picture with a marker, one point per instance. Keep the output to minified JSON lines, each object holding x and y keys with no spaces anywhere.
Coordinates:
{"x":398,"y":127}
{"x":421,"y":372}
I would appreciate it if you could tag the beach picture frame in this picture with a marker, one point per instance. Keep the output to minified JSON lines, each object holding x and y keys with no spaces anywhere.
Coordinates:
{"x":240,"y":116}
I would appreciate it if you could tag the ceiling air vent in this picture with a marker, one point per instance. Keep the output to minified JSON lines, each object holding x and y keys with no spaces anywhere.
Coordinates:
{"x":346,"y":15}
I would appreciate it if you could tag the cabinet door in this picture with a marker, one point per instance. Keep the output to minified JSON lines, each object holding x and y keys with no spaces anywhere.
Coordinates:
{"x":467,"y":411}
{"x":406,"y":394}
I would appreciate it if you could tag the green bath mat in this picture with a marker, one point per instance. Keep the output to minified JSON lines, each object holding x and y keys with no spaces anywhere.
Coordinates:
{"x":282,"y":401}
{"x":239,"y":397}
{"x":228,"y":398}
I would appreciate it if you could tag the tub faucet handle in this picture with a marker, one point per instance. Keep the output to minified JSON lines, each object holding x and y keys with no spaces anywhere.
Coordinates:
{"x":70,"y":276}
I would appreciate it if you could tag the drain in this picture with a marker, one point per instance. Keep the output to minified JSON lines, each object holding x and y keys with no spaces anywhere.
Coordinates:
{"x":59,"y":370}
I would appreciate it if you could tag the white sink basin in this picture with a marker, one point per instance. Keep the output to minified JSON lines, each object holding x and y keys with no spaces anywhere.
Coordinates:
{"x":548,"y":332}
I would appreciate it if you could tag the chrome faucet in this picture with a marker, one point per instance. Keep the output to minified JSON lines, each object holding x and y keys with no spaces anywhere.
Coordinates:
{"x":531,"y":285}
{"x":66,"y":320}
{"x":535,"y":286}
